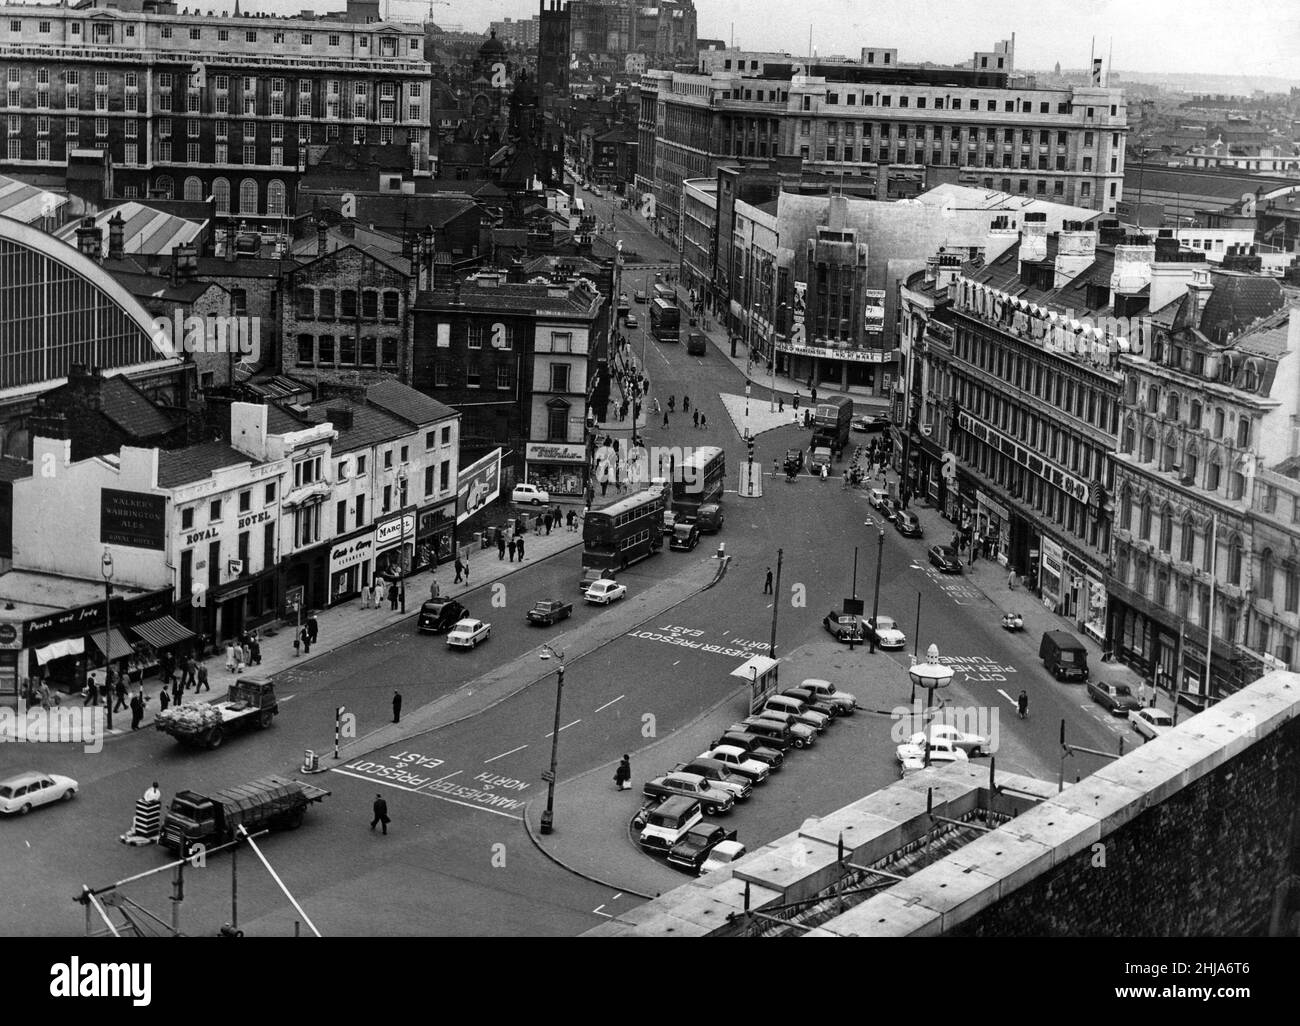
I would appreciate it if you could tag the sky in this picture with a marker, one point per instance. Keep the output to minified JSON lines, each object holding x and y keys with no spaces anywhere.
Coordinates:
{"x":1221,"y":37}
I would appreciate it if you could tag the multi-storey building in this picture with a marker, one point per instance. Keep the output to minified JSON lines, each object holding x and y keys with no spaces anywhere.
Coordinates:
{"x":699,"y":232}
{"x":553,"y":48}
{"x":903,"y":127}
{"x":195,"y":106}
{"x":1207,"y":433}
{"x":522,"y":33}
{"x":664,"y":32}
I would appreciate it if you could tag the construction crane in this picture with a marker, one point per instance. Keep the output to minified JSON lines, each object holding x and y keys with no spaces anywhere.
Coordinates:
{"x":431,"y":3}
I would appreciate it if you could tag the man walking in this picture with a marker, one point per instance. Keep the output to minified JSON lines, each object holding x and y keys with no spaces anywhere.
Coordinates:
{"x":521,"y":549}
{"x":397,"y":707}
{"x":665,"y":418}
{"x":118,"y":684}
{"x":304,"y":636}
{"x":164,"y":700}
{"x":178,"y":692}
{"x":201,"y":679}
{"x":313,"y":627}
{"x":767,"y":584}
{"x":460,"y":570}
{"x":623,"y":775}
{"x":392,"y":597}
{"x":501,"y":544}
{"x":514,"y":545}
{"x":704,"y":421}
{"x":696,"y":418}
{"x":1022,"y":704}
{"x":137,"y":710}
{"x":191,"y":672}
{"x":814,"y":395}
{"x":381,"y":813}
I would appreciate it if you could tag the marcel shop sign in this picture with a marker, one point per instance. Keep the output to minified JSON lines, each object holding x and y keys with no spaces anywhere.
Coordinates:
{"x":390,"y":532}
{"x":134,"y":519}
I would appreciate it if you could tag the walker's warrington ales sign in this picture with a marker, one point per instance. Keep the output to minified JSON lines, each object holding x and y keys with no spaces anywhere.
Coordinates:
{"x":134,"y":519}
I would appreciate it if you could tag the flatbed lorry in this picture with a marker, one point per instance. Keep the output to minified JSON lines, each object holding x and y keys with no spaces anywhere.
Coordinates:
{"x":274,"y":803}
{"x":249,"y":702}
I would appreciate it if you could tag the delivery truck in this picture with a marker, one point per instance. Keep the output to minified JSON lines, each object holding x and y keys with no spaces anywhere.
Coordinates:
{"x":210,"y":820}
{"x":250,"y":702}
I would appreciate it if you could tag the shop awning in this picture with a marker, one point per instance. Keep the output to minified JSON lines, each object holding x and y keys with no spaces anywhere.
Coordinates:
{"x":59,"y":649}
{"x":119,"y":647}
{"x":163,"y":632}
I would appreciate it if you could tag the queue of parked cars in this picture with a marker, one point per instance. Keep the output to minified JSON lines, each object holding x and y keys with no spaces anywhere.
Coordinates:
{"x":672,"y":823}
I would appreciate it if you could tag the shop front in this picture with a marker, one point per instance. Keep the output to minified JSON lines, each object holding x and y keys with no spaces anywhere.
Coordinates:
{"x":306,"y":576}
{"x":558,"y":468}
{"x":435,"y":535}
{"x":1051,"y":573}
{"x":11,"y":643}
{"x":993,"y":524}
{"x":395,"y":545}
{"x":233,"y":609}
{"x":57,"y":647}
{"x":349,"y":565}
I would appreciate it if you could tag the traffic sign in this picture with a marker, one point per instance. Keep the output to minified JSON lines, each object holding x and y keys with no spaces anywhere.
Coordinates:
{"x":548,"y":776}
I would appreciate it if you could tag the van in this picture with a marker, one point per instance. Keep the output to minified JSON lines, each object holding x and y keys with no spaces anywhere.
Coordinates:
{"x":774,"y":735}
{"x":667,"y":823}
{"x":1064,"y":656}
{"x":709,"y":518}
{"x":696,"y":344}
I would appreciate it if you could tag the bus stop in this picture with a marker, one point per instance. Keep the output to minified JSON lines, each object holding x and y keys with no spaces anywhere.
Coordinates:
{"x":761,"y":674}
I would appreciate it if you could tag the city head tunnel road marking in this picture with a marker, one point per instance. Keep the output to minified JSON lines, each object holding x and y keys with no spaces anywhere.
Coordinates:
{"x":487,"y":792}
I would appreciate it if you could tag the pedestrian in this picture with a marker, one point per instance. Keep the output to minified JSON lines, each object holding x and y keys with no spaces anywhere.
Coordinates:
{"x":704,"y":421}
{"x":313,"y":627}
{"x":696,"y":418}
{"x":501,"y":544}
{"x":374,"y":593}
{"x":164,"y":700}
{"x":569,"y":521}
{"x":521,"y":550}
{"x":392,"y":597}
{"x":767,"y":584}
{"x":381,"y":813}
{"x":1022,"y":704}
{"x":796,"y":399}
{"x":255,"y":649}
{"x":623,"y":775}
{"x":434,"y":590}
{"x":119,"y":690}
{"x":686,"y":404}
{"x":297,"y":646}
{"x":604,"y":475}
{"x":546,"y":521}
{"x":460,"y":570}
{"x":177,"y":693}
{"x":239,"y":659}
{"x":666,"y":416}
{"x":1142,"y":692}
{"x":191,"y":672}
{"x":397,"y":707}
{"x":467,"y":573}
{"x":1011,"y":579}
{"x":230,"y":657}
{"x":246,"y":656}
{"x":513,"y":546}
{"x":780,"y":399}
{"x":814,"y":395}
{"x":137,"y":711}
{"x":305,"y":637}
{"x":201,"y":680}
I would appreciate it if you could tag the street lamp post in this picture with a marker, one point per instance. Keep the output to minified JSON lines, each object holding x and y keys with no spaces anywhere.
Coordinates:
{"x":106,"y":568}
{"x":401,"y":552}
{"x":875,"y":602}
{"x":930,"y":675}
{"x":771,"y":352}
{"x":548,"y":815}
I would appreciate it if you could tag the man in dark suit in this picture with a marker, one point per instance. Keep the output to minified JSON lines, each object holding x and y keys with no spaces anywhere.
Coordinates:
{"x":381,"y":813}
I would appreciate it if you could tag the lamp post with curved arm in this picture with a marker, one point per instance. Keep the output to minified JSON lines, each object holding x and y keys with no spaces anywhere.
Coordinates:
{"x":106,"y":568}
{"x":548,"y":815}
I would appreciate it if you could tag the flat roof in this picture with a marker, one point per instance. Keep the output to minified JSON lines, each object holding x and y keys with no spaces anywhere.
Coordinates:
{"x":35,"y":594}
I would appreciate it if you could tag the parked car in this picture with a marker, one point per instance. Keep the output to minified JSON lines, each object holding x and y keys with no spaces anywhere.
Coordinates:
{"x":548,"y":612}
{"x":691,"y":852}
{"x":773,"y":734}
{"x":889,"y":508}
{"x":739,"y":761}
{"x":605,"y":591}
{"x":843,"y":626}
{"x":665,"y":822}
{"x":805,"y":735}
{"x":784,"y":705}
{"x":828,"y":692}
{"x":868,"y":424}
{"x":641,"y":296}
{"x":709,"y":518}
{"x":686,"y":536}
{"x":591,"y":575}
{"x":945,"y":558}
{"x":908,"y":524}
{"x":971,"y":744}
{"x":811,"y":701}
{"x":1117,"y":699}
{"x":941,"y":750}
{"x":468,"y":633}
{"x":529,"y":493}
{"x":886,"y":632}
{"x":630,"y":322}
{"x":713,"y":800}
{"x":1063,"y":655}
{"x":438,"y":615}
{"x":1151,"y":722}
{"x":793,"y":460}
{"x":718,"y":774}
{"x":753,"y":745}
{"x":877,"y":497}
{"x":22,"y":792}
{"x":722,"y":855}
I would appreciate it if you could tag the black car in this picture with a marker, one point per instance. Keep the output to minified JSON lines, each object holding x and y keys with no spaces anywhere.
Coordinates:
{"x":813,"y":701}
{"x":686,"y":535}
{"x":754,"y":745}
{"x":690,"y":852}
{"x":591,"y":575}
{"x":439,"y":615}
{"x":548,"y":612}
{"x":865,"y":425}
{"x":945,"y":558}
{"x":793,"y":461}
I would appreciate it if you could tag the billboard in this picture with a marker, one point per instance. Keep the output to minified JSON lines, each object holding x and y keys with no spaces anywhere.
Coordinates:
{"x":477,"y":485}
{"x":873,"y":311}
{"x":134,"y":519}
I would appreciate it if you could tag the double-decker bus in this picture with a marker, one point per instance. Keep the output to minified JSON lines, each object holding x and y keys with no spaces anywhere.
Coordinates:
{"x":665,"y":321}
{"x":667,"y":293}
{"x":629,"y":530}
{"x":698,"y":479}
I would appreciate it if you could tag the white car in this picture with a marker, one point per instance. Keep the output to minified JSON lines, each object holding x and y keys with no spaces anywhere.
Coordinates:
{"x":468,"y":633}
{"x":971,"y":744}
{"x":605,"y":591}
{"x":23,"y":792}
{"x":723,"y":854}
{"x":825,"y":691}
{"x":877,"y":496}
{"x":886,"y":631}
{"x":941,"y":750}
{"x":738,"y":761}
{"x":1151,"y":723}
{"x":529,"y":493}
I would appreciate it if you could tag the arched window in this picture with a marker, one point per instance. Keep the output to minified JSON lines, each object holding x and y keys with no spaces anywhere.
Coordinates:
{"x":1166,"y":528}
{"x":1148,"y":444}
{"x":1169,"y":451}
{"x":1266,"y":570}
{"x":1171,"y":406}
{"x":1187,"y":539}
{"x":1234,"y":560}
{"x":221,"y":195}
{"x":275,"y":197}
{"x":1125,"y":508}
{"x":1214,"y":472}
{"x":1130,"y":437}
{"x":193,"y":190}
{"x":1194,"y":415}
{"x":1290,"y":586}
{"x":1153,"y":398}
{"x":1191,"y":463}
{"x":164,"y":186}
{"x":1144,"y":529}
{"x":248,"y":196}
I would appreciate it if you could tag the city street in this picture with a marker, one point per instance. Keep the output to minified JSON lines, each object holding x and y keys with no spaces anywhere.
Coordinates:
{"x":463,"y":863}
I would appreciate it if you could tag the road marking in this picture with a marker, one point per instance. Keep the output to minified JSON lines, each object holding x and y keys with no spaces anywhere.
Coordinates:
{"x":428,"y":794}
{"x":551,"y":733}
{"x":504,"y":754}
{"x":288,"y":698}
{"x":597,"y":911}
{"x":605,"y":706}
{"x":678,"y":661}
{"x":1008,"y":698}
{"x":447,"y":777}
